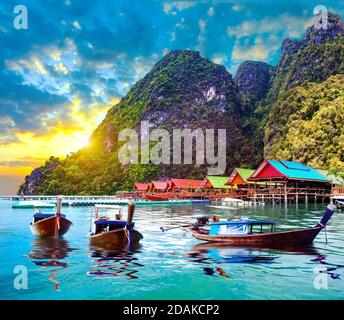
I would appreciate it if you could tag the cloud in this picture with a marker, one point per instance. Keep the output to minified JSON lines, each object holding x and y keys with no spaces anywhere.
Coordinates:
{"x":60,"y":67}
{"x":62,"y":136}
{"x":288,"y":25}
{"x":211,"y":11}
{"x":237,"y":7}
{"x":75,"y":60}
{"x":219,"y":58}
{"x":173,"y":7}
{"x":76,"y":25}
{"x":258,"y":48}
{"x":261,"y":39}
{"x":21,"y":163}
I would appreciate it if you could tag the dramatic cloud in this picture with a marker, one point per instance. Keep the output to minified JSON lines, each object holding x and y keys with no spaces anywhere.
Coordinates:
{"x":289,"y":26}
{"x":59,"y":77}
{"x":261,"y":39}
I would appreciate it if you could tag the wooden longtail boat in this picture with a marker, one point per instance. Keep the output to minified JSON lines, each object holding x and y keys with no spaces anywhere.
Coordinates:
{"x":113,"y":232}
{"x":50,"y":225}
{"x":158,"y":197}
{"x":257,"y":232}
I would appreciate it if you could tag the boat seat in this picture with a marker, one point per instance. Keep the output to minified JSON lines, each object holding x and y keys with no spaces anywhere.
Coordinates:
{"x":112,"y":222}
{"x":45,"y":215}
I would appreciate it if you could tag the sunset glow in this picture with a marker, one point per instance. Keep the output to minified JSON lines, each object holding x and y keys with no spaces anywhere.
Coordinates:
{"x":30,"y":150}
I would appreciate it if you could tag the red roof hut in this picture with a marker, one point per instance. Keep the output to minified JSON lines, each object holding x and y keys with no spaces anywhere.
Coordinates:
{"x":159,"y":186}
{"x":289,"y":181}
{"x":185,"y":184}
{"x":141,"y":186}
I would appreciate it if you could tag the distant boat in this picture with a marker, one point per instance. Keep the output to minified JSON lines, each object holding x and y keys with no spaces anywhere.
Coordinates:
{"x":236,"y":202}
{"x":31,"y":204}
{"x":158,"y":197}
{"x":223,"y":207}
{"x":50,"y":225}
{"x":256,"y":232}
{"x":111,"y":232}
{"x":339,"y":201}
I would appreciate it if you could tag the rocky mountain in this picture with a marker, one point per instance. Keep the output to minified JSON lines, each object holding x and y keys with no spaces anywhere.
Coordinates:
{"x":293,"y":111}
{"x":314,"y":58}
{"x":253,"y":79}
{"x":302,"y":114}
{"x":37,"y":182}
{"x":183,"y":90}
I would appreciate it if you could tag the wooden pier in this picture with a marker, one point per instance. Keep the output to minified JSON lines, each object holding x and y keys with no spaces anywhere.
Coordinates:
{"x":69,"y":200}
{"x":289,"y":195}
{"x":27,"y":202}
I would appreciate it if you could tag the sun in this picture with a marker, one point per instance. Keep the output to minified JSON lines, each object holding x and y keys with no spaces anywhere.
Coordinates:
{"x":58,"y":141}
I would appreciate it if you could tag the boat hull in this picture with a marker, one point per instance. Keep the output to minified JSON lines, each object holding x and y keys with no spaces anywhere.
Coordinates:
{"x":115,"y":239}
{"x":160,"y":197}
{"x":49,"y":227}
{"x":284,"y":238}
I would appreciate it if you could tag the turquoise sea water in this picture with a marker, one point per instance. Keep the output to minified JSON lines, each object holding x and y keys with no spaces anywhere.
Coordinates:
{"x":170,"y":265}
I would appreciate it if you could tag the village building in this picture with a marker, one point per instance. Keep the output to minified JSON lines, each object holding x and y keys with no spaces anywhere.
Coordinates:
{"x":187,"y":185}
{"x":159,"y":186}
{"x":288,"y":181}
{"x":215,"y":183}
{"x":238,"y":177}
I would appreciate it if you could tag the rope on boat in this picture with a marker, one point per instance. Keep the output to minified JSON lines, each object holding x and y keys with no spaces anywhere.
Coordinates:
{"x":127,"y":234}
{"x":166,"y":229}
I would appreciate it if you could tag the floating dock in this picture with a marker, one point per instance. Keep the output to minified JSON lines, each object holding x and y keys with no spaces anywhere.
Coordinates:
{"x":33,"y":204}
{"x":50,"y":202}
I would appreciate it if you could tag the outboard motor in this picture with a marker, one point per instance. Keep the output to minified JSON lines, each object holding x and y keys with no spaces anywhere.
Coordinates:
{"x":327,"y":216}
{"x":201,"y":222}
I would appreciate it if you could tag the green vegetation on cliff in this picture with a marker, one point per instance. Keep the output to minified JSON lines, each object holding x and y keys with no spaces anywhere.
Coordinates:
{"x":306,"y":124}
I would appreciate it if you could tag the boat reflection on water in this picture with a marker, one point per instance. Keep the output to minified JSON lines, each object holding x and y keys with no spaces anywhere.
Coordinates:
{"x":48,"y":253}
{"x":115,"y":263}
{"x":329,"y":268}
{"x":222,"y":253}
{"x":219,"y":254}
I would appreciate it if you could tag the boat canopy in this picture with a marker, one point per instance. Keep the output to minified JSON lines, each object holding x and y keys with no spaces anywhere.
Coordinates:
{"x":245,"y":222}
{"x":240,"y":227}
{"x":45,"y":215}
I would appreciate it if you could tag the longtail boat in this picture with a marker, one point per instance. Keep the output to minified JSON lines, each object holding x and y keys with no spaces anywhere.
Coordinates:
{"x":50,"y":225}
{"x":112,"y":232}
{"x":256,"y":232}
{"x":159,"y":197}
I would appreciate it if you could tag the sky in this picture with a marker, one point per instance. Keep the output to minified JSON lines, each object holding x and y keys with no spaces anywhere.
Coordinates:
{"x":59,"y":77}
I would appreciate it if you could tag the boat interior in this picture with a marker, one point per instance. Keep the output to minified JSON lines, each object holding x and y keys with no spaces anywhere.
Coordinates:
{"x":41,"y":216}
{"x":108,"y":220}
{"x":109,"y":225}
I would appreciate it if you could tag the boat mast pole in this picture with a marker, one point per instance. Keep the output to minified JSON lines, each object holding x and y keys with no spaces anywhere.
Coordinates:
{"x":90,"y":230}
{"x":91,"y":219}
{"x":131,"y":209}
{"x":58,"y":215}
{"x":58,"y":205}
